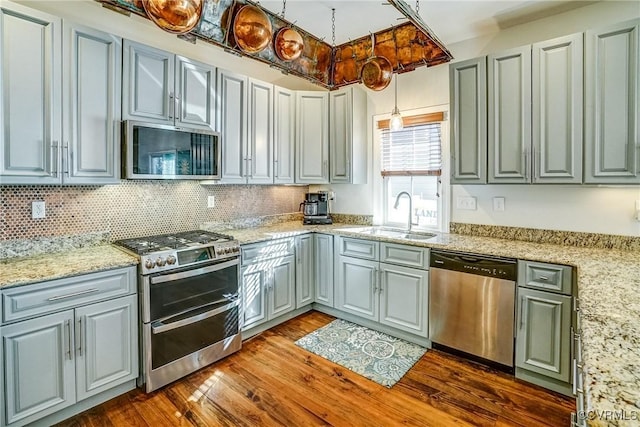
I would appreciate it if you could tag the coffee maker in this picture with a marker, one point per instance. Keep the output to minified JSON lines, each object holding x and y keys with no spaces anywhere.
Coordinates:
{"x":316,"y":208}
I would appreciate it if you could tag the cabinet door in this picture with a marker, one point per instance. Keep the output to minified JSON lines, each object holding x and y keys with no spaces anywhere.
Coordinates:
{"x":468,"y":86}
{"x":612,"y":93}
{"x":404,"y":298}
{"x":30,"y":119}
{"x":195,"y":93}
{"x":91,"y":108}
{"x":324,"y":269}
{"x":284,"y":126}
{"x":282,"y":287}
{"x":509,"y":119}
{"x":254,"y":295}
{"x":148,"y":84}
{"x":232,"y":122}
{"x":106,"y":345}
{"x":312,"y":142}
{"x":305,"y":270}
{"x":357,"y":287}
{"x":557,"y":110}
{"x":260,"y":133}
{"x":543,"y":343}
{"x":38,"y":366}
{"x":340,"y":136}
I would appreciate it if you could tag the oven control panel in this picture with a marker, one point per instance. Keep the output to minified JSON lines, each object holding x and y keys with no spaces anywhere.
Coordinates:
{"x":172,"y":259}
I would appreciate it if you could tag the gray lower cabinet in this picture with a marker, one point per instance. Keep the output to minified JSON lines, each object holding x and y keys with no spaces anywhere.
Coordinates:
{"x":323,"y":267}
{"x":612,"y":104}
{"x":391,"y":289}
{"x":544,"y":342}
{"x":305,"y":270}
{"x":67,"y":340}
{"x":268,"y":282}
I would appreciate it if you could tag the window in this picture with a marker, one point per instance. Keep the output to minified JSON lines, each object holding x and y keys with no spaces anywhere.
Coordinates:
{"x":412,"y":161}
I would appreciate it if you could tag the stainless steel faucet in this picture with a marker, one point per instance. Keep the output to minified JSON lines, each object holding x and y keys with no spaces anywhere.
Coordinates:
{"x":395,"y":206}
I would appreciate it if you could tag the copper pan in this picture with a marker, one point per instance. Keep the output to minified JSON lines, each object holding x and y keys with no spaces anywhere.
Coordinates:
{"x":252,"y":29}
{"x":288,"y":44}
{"x":174,"y":16}
{"x":377,"y":71}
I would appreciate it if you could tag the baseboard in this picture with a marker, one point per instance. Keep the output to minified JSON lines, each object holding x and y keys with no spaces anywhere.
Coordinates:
{"x":246,"y":334}
{"x":425,"y":342}
{"x":84,"y":405}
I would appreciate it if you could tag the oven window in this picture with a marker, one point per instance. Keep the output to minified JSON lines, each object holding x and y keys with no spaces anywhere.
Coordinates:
{"x":183,"y":341}
{"x":186,"y":293}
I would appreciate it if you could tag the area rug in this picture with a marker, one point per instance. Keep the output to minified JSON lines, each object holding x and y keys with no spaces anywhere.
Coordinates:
{"x":374,"y":355}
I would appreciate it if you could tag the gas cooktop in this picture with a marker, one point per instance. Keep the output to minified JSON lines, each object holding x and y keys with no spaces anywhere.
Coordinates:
{"x":170,"y":251}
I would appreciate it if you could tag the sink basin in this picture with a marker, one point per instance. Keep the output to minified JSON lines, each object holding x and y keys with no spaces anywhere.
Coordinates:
{"x":398,"y":234}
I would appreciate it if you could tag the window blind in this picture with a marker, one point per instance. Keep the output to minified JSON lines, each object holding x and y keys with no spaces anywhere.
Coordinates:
{"x":414,"y":150}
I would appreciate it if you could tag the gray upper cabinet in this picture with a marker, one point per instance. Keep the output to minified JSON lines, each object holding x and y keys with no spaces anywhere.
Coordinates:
{"x":260,"y":133}
{"x":509,"y":117}
{"x":312,"y":139}
{"x":30,"y":113}
{"x":468,"y":97}
{"x":348,"y":136}
{"x":232,"y":125}
{"x":284,"y":127}
{"x":557,"y":90}
{"x":612,"y":93}
{"x":91,"y":105}
{"x":161,"y":87}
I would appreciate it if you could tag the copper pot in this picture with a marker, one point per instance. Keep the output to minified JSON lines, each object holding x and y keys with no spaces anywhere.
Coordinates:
{"x":377,"y":71}
{"x":252,"y":29}
{"x":174,"y":16}
{"x":288,"y":44}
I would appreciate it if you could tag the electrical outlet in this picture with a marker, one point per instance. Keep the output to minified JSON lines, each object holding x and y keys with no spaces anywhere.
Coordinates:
{"x":466,"y":203}
{"x":38,"y":209}
{"x":211,"y":201}
{"x":498,"y":204}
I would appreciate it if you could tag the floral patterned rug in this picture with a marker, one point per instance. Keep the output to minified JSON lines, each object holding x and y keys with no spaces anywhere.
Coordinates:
{"x":374,"y":355}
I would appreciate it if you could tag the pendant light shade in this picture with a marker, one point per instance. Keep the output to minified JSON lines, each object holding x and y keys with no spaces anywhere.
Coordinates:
{"x":396,"y":123}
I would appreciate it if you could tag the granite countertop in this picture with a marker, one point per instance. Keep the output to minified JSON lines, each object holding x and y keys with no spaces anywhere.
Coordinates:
{"x":608,"y":290}
{"x":609,"y":298}
{"x":38,"y":268}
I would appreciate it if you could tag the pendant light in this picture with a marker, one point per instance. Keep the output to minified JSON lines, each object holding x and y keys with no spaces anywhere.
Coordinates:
{"x":396,"y":122}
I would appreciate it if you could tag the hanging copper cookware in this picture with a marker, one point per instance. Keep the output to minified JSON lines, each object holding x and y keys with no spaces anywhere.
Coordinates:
{"x":288,"y":44}
{"x":174,"y":16}
{"x":377,"y":71}
{"x":252,"y":29}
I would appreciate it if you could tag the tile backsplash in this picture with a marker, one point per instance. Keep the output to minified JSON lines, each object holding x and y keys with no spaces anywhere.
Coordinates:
{"x":137,"y":208}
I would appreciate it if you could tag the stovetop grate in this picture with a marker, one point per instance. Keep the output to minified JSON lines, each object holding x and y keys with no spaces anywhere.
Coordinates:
{"x":161,"y":242}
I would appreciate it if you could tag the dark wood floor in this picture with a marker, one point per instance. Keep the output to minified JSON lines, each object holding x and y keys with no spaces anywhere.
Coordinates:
{"x":272,"y":382}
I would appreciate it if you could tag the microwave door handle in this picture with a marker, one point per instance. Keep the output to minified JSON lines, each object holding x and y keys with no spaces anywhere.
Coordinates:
{"x":160,"y":327}
{"x":190,"y":273}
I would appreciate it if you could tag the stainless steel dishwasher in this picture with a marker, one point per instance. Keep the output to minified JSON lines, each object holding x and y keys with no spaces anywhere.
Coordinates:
{"x":471,"y":304}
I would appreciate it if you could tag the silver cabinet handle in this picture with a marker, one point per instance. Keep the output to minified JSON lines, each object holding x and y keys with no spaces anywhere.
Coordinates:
{"x":545,"y":278}
{"x":67,"y":331}
{"x":80,"y":335}
{"x":172,"y":106}
{"x":54,"y":159}
{"x":376,"y":277}
{"x":177,"y":107}
{"x":74,"y":294}
{"x":521,"y":312}
{"x":325,"y":168}
{"x":380,"y":281}
{"x":66,"y":162}
{"x":526,"y":164}
{"x":575,"y":377}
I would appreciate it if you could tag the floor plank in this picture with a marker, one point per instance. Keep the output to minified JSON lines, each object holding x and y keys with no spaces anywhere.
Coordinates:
{"x":272,"y":382}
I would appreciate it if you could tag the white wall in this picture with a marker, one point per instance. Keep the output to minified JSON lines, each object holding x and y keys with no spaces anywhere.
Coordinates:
{"x":572,"y":208}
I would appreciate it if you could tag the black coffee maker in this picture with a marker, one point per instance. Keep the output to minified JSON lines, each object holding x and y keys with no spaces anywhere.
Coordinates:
{"x":316,"y":208}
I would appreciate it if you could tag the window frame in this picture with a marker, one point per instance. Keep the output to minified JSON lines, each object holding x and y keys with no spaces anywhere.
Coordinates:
{"x":380,"y":183}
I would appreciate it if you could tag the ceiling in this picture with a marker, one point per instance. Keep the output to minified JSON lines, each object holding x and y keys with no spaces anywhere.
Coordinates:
{"x":451,"y":20}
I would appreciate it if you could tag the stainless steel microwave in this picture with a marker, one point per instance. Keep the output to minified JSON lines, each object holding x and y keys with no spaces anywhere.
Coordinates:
{"x":155,"y":151}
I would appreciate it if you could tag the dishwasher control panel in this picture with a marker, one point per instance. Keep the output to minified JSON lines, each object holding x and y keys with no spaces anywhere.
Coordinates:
{"x":480,"y":265}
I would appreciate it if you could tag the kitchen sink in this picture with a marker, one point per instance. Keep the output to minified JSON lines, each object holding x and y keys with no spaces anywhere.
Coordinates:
{"x":397,"y":234}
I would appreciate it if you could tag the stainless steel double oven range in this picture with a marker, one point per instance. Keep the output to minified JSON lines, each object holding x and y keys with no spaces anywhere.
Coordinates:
{"x":189,"y":302}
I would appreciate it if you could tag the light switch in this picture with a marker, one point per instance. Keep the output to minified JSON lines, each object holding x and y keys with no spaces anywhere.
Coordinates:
{"x":498,"y":204}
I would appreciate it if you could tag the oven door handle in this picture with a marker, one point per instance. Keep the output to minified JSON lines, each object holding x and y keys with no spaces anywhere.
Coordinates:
{"x":190,"y":273}
{"x":160,"y":327}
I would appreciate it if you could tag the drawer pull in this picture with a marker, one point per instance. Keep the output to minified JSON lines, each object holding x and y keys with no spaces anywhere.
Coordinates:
{"x":74,"y":294}
{"x":545,"y":278}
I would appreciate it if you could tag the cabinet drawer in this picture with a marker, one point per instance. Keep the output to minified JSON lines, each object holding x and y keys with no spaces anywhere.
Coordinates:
{"x":410,"y":256}
{"x":365,"y":249}
{"x":549,"y":277}
{"x":33,"y":300}
{"x":266,"y":250}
